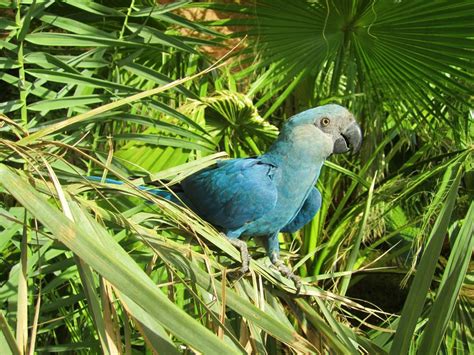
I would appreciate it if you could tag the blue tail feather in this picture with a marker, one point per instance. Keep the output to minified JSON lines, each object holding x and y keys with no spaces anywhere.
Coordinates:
{"x":154,"y":191}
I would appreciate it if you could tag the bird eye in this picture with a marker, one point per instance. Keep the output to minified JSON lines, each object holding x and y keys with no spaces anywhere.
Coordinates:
{"x":325,"y":121}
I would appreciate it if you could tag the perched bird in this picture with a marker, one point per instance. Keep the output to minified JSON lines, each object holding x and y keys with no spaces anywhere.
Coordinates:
{"x":274,"y":192}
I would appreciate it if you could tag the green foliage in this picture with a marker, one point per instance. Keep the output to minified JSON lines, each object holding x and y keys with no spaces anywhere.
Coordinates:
{"x":409,"y":55}
{"x":233,"y":122}
{"x":126,"y":89}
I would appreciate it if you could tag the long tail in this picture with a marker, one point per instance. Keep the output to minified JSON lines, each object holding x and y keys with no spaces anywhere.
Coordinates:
{"x":154,"y":191}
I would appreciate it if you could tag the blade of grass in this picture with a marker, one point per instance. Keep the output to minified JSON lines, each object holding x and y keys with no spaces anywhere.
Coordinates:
{"x":352,"y":175}
{"x":238,"y":303}
{"x":113,"y":343}
{"x":34,"y":330}
{"x":22,"y":306}
{"x":77,"y":79}
{"x":341,"y":347}
{"x":155,"y":139}
{"x":418,"y":291}
{"x":67,"y":102}
{"x":85,"y":271}
{"x":149,"y":327}
{"x":8,"y":335}
{"x":76,"y":40}
{"x":451,"y":283}
{"x":103,"y":254}
{"x":113,"y":105}
{"x":356,"y":244}
{"x":93,"y":301}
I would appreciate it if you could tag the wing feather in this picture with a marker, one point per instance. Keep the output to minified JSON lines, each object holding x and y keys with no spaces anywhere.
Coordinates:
{"x":233,"y":193}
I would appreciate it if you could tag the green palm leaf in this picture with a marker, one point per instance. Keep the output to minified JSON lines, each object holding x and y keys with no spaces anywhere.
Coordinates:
{"x":413,"y":54}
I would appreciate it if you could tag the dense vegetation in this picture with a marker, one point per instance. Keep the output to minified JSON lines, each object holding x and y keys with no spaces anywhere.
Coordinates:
{"x":149,"y":92}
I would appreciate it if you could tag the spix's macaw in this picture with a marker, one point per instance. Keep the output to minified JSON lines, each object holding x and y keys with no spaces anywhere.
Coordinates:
{"x":274,"y":192}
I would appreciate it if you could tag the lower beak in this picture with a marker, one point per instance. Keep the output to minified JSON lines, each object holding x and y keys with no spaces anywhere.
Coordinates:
{"x":351,"y":138}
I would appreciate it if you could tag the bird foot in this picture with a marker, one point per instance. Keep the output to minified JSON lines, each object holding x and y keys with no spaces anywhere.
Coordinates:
{"x":286,"y":271}
{"x":244,"y":254}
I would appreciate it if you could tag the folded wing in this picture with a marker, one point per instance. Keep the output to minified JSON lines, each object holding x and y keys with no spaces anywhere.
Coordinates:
{"x":233,"y":193}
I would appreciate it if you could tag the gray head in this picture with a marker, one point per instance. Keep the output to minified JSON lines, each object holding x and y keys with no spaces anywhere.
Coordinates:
{"x":330,"y":124}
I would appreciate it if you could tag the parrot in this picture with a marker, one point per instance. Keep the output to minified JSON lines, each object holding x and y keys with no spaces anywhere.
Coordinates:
{"x":274,"y":192}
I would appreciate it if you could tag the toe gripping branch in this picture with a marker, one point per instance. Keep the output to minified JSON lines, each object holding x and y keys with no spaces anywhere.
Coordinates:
{"x":286,"y":271}
{"x":244,"y":254}
{"x":282,"y":268}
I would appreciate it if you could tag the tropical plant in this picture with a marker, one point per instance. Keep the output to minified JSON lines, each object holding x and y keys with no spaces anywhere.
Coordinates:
{"x":233,"y":121}
{"x":398,"y":65}
{"x":125,"y":89}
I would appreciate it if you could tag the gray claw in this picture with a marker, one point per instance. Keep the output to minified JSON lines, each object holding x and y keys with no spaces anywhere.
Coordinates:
{"x":244,"y":254}
{"x":286,"y":271}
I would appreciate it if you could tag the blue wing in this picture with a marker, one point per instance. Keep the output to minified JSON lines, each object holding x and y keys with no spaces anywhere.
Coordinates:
{"x":233,"y":193}
{"x":310,"y":207}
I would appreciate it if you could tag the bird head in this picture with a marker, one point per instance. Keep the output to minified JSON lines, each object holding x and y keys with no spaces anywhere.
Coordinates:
{"x":332,"y":126}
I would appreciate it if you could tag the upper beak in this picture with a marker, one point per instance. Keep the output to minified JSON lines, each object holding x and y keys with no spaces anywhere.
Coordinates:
{"x":351,"y":137}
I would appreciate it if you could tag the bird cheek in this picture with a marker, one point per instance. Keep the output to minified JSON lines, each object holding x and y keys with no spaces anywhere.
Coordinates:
{"x":324,"y":143}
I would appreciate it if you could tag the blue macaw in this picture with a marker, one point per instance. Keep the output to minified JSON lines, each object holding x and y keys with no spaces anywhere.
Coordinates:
{"x":274,"y":192}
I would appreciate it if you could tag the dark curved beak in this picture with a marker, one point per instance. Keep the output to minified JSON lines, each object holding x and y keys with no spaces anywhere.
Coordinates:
{"x":351,"y":138}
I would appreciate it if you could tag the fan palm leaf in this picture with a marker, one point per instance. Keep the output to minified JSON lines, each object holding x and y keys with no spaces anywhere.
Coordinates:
{"x":410,"y":54}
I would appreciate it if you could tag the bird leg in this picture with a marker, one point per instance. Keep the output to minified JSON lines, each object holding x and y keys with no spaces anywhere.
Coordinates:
{"x":244,"y":254}
{"x":273,"y":252}
{"x":286,"y":271}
